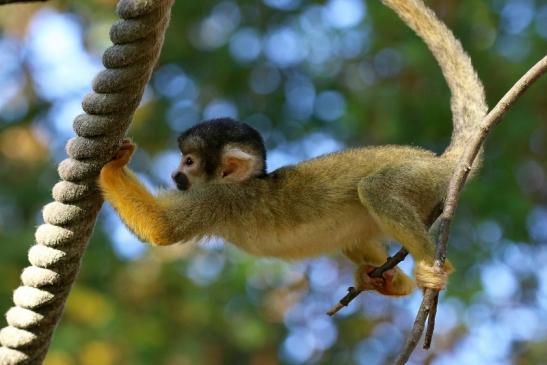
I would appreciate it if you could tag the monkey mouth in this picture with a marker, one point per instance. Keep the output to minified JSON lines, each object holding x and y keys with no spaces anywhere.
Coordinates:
{"x":183,"y":187}
{"x":182,"y":184}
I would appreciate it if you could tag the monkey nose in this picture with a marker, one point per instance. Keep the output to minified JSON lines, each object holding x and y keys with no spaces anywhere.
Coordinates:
{"x":181,"y":180}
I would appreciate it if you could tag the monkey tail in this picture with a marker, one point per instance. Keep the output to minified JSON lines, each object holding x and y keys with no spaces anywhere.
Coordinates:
{"x":468,"y":102}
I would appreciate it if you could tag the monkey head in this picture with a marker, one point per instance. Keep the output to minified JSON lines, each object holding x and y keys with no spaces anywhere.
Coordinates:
{"x":219,"y":150}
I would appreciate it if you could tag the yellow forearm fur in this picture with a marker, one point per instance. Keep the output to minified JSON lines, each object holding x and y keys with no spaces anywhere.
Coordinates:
{"x":136,"y":206}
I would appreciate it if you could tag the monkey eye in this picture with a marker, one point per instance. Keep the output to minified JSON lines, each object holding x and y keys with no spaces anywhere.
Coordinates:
{"x":188,"y":161}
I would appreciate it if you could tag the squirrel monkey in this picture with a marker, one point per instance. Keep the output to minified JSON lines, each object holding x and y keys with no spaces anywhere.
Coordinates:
{"x":349,"y":200}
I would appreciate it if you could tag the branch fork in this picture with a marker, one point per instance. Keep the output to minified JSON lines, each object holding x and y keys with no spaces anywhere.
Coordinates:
{"x":428,"y":308}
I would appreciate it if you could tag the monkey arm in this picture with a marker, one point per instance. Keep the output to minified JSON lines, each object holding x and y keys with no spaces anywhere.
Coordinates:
{"x":140,"y":210}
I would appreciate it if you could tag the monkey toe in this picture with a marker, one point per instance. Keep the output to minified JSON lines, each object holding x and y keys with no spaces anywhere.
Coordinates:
{"x":367,"y":282}
{"x":393,"y":282}
{"x":122,"y":157}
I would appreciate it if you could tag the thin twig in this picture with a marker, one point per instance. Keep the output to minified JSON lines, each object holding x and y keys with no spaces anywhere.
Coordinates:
{"x":431,"y":322}
{"x":390,"y":263}
{"x":456,"y":183}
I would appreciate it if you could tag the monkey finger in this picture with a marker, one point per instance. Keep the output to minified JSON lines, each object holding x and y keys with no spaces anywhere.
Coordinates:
{"x":388,"y":275}
{"x":369,"y":283}
{"x":120,"y":155}
{"x":127,"y":147}
{"x":366,"y":282}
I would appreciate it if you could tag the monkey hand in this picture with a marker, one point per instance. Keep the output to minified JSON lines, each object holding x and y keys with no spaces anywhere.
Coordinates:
{"x":392,"y":282}
{"x":122,"y":157}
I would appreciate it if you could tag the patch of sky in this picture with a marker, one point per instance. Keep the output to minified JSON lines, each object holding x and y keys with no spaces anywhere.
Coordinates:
{"x":519,"y":256}
{"x":125,"y":244}
{"x":283,"y":4}
{"x":330,"y":105}
{"x":389,"y":334}
{"x":311,"y":20}
{"x":324,"y":332}
{"x":245,"y":45}
{"x":489,"y":232}
{"x":280,"y":157}
{"x":522,"y":322}
{"x":516,"y":15}
{"x":353,"y":43}
{"x":212,"y":244}
{"x":492,"y":340}
{"x":321,"y":46}
{"x":323,"y":274}
{"x":285,"y":47}
{"x":499,"y":282}
{"x":59,"y":120}
{"x":163,"y":164}
{"x":513,"y":47}
{"x":11,"y":78}
{"x":370,"y":351}
{"x":205,"y":268}
{"x":320,"y":143}
{"x":264,"y":79}
{"x":300,"y":96}
{"x":312,"y":145}
{"x":171,"y":81}
{"x":215,"y":30}
{"x":344,"y":13}
{"x":298,"y":347}
{"x":537,"y":224}
{"x":220,"y":108}
{"x":58,"y":60}
{"x":182,"y":114}
{"x":541,"y":295}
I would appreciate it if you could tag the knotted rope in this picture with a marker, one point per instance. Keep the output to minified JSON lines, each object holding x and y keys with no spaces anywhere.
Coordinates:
{"x":430,"y":276}
{"x":70,"y":218}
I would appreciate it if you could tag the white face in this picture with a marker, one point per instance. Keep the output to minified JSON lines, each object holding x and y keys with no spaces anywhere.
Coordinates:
{"x":235,"y":165}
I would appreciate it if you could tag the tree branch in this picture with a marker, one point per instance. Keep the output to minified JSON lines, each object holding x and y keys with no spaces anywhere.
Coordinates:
{"x":390,"y":263}
{"x":430,"y":299}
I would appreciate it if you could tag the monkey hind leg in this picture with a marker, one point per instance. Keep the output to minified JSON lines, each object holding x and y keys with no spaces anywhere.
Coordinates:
{"x":369,"y":255}
{"x":399,"y":219}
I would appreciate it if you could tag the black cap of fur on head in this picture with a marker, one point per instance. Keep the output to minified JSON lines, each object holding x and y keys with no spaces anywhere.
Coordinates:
{"x":210,"y":137}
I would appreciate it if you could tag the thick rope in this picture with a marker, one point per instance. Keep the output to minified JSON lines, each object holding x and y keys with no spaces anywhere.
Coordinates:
{"x":70,"y":218}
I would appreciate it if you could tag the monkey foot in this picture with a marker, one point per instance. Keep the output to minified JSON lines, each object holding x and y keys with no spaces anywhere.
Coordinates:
{"x":380,"y":284}
{"x":393,"y":282}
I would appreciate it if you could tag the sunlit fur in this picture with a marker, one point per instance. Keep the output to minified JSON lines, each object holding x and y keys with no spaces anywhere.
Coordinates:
{"x":347,"y":201}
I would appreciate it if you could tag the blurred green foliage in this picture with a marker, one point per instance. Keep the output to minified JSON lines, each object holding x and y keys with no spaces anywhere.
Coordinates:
{"x":166,"y":306}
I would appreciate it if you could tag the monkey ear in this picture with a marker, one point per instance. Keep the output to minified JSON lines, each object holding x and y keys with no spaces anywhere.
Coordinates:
{"x":237,"y":165}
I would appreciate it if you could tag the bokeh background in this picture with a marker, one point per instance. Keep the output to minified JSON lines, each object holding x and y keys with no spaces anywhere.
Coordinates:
{"x":313,"y":77}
